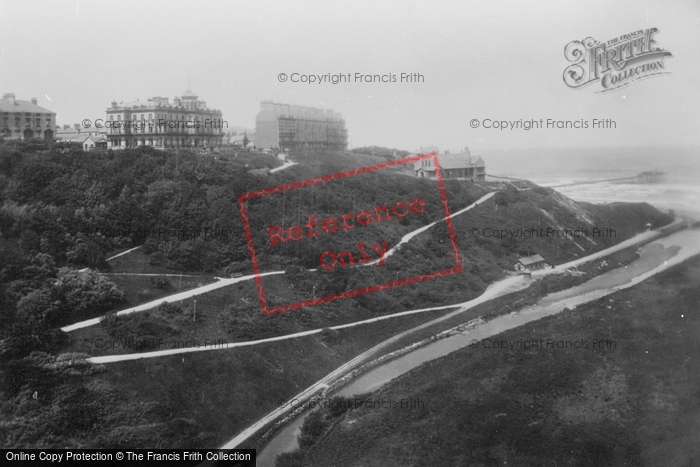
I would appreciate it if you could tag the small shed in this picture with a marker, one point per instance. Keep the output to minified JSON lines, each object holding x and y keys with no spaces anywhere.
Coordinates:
{"x":530,"y":262}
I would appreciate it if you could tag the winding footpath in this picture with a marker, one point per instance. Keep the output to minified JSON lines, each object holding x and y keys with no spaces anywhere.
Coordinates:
{"x":410,"y":235}
{"x":636,"y":240}
{"x":123,"y":253}
{"x":286,"y":165}
{"x":170,"y":298}
{"x":162,"y":353}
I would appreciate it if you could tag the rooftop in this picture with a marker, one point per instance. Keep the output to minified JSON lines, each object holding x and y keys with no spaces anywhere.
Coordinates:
{"x":454,"y":161}
{"x":8,"y":103}
{"x":530,"y":260}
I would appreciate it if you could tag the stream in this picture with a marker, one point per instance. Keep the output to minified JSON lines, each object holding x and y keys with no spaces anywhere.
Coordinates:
{"x":655,"y":257}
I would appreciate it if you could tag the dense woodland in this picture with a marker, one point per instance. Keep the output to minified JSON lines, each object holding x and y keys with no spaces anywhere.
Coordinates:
{"x":60,"y":208}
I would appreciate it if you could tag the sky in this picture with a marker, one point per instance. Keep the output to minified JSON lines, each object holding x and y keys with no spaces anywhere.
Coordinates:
{"x":479,"y":60}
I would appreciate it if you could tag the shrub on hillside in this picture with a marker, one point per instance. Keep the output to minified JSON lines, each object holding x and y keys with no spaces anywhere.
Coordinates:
{"x":144,"y":329}
{"x":160,"y":282}
{"x":248,"y":322}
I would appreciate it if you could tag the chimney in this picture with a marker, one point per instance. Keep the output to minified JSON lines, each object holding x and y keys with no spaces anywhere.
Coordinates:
{"x":114,"y":104}
{"x":34,"y":100}
{"x":10,"y":96}
{"x":66,"y":126}
{"x":76,"y":126}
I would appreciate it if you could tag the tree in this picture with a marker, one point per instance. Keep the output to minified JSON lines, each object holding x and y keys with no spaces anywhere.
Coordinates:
{"x":38,"y":308}
{"x":85,"y":252}
{"x":74,"y":295}
{"x":86,"y":293}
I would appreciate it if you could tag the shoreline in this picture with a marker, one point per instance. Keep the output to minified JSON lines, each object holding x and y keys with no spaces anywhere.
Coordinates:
{"x":681,"y":198}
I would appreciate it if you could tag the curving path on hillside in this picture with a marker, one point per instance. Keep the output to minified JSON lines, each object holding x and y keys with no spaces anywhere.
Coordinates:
{"x":124,"y":252}
{"x":412,"y":234}
{"x":497,"y":289}
{"x":162,"y":353}
{"x":170,"y":298}
{"x":637,"y":239}
{"x":286,"y":165}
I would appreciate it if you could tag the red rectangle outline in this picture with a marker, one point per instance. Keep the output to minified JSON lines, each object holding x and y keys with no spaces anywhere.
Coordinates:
{"x":352,"y":293}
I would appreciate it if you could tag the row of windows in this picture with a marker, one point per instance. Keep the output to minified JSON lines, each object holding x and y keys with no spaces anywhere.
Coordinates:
{"x":167,"y":142}
{"x":25,"y":114}
{"x":160,"y":130}
{"x":167,"y":117}
{"x":427,"y":163}
{"x":28,"y":121}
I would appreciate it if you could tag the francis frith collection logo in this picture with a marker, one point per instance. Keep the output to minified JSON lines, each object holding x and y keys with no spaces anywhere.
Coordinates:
{"x":615,"y":63}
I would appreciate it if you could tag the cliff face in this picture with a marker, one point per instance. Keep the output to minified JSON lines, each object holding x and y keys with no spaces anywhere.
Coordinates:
{"x":542,"y":221}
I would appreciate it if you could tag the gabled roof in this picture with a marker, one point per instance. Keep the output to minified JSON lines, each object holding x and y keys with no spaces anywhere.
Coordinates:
{"x":530,"y":260}
{"x":6,"y":105}
{"x":95,"y":139}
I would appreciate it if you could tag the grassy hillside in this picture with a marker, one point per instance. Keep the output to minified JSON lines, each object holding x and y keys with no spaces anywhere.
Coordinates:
{"x":633,"y":402}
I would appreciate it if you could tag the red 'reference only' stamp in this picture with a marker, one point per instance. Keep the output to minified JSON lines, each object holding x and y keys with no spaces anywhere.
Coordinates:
{"x":369,"y":255}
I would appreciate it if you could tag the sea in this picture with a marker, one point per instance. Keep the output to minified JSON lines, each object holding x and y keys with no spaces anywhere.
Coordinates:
{"x":566,"y":168}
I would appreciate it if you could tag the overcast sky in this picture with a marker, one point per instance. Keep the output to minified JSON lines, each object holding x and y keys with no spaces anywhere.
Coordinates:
{"x":479,"y":59}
